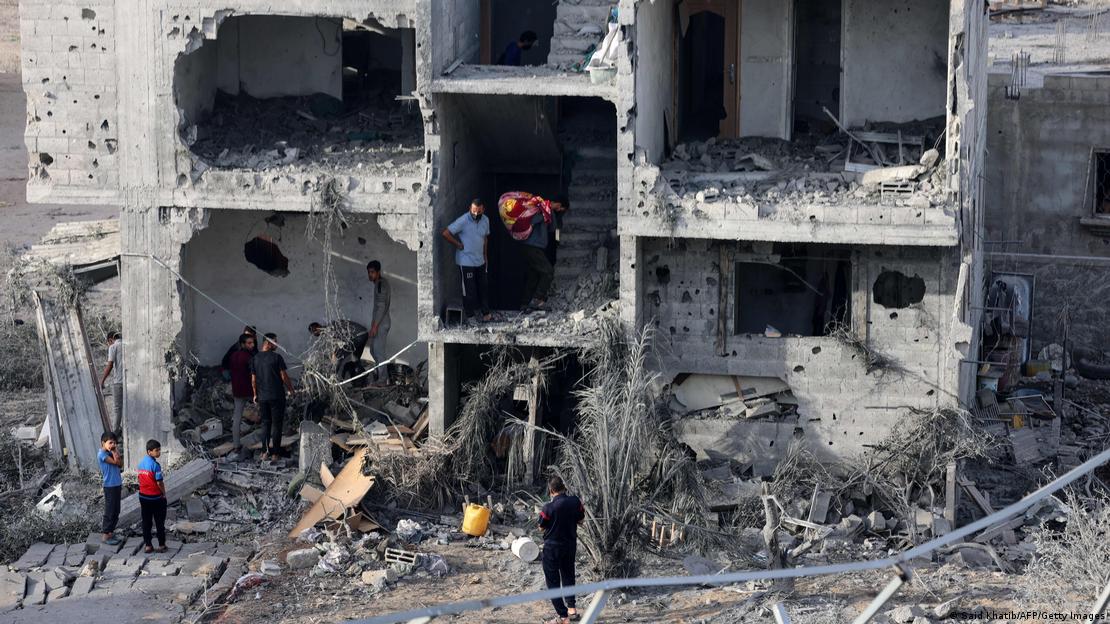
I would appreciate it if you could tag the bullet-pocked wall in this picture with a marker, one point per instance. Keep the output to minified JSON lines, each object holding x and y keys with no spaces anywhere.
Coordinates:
{"x":270,"y":269}
{"x":278,"y":105}
{"x":894,"y":303}
{"x":1048,"y":193}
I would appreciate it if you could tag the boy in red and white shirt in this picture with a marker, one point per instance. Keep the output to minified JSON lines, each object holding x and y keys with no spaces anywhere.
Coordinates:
{"x":152,"y":496}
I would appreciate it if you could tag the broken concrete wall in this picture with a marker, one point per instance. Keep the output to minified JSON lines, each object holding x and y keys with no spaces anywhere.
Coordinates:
{"x":1040,"y":195}
{"x":69,"y":76}
{"x":681,"y":295}
{"x":894,"y":60}
{"x":153,"y":322}
{"x":457,"y":176}
{"x":275,"y":55}
{"x":215,"y":263}
{"x":390,"y":184}
{"x":264,"y":56}
{"x":966,"y":147}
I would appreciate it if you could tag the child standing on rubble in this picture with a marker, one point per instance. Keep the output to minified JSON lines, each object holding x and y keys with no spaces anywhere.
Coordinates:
{"x":152,"y":497}
{"x":110,"y":462}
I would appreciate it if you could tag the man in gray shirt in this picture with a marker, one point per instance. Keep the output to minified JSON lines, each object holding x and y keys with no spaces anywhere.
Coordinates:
{"x":470,"y":235}
{"x":113,"y":375}
{"x":379,"y":319}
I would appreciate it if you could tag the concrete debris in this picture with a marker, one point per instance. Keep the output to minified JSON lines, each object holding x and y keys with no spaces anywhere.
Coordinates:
{"x":383,"y":135}
{"x":303,"y":558}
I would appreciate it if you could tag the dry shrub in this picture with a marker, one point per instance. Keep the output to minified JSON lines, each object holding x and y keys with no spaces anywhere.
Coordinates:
{"x":1070,"y":566}
{"x":623,"y":461}
{"x":913,"y":458}
{"x":21,"y":366}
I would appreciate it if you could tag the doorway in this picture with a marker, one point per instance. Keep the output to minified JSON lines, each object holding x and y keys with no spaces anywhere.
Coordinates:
{"x":817,"y":64}
{"x":707,"y":68}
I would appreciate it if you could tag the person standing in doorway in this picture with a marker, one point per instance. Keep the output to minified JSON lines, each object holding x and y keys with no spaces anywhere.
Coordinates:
{"x":239,"y":367}
{"x":152,"y":497}
{"x":113,"y":376}
{"x":379,"y":319}
{"x":559,"y":520}
{"x":470,"y":236}
{"x":514,"y":52}
{"x":528,"y":218}
{"x":270,"y":382}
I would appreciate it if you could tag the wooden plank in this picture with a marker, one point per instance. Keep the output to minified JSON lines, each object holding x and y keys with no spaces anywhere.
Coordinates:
{"x":951,"y":493}
{"x":326,"y":476}
{"x":105,"y":421}
{"x":421,"y":424}
{"x":348,"y":488}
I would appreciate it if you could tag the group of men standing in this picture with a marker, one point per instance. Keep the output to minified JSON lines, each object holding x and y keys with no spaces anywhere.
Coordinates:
{"x":529,"y":219}
{"x":260,"y":376}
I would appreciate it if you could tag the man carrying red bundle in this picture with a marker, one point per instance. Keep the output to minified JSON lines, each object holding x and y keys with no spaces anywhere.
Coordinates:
{"x":528,"y":218}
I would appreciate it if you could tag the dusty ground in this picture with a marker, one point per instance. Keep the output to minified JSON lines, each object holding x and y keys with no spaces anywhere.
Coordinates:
{"x":478,"y":573}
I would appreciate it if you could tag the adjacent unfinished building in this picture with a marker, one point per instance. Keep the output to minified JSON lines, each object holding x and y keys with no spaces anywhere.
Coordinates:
{"x":787,"y":192}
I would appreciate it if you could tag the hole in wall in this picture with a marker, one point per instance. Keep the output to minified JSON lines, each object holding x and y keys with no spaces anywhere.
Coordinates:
{"x":663,"y":274}
{"x":266,"y":256}
{"x":894,"y":289}
{"x":46,"y":159}
{"x":799,"y":369}
{"x":816,"y":350}
{"x":893,"y":315}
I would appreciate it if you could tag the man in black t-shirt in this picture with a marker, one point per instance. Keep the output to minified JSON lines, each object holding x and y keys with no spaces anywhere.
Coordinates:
{"x":559,"y":520}
{"x":268,"y":376}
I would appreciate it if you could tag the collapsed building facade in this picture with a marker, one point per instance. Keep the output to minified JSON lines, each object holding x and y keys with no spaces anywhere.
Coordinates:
{"x":787,"y":193}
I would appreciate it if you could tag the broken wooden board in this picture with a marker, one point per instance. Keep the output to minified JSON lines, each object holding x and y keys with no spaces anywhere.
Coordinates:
{"x":348,"y":488}
{"x":79,"y":243}
{"x":421,"y":425}
{"x":78,"y":404}
{"x":326,"y":477}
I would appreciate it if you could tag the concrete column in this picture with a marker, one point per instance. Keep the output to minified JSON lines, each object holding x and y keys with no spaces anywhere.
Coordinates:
{"x":443,"y":387}
{"x":151,"y":299}
{"x":408,"y":61}
{"x":630,"y":281}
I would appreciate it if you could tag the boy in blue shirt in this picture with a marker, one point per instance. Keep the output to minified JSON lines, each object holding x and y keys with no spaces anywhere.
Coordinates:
{"x":152,"y":496}
{"x":110,"y":462}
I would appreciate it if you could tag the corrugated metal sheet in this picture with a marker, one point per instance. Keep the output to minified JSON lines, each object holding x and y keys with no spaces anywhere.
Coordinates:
{"x":72,"y":392}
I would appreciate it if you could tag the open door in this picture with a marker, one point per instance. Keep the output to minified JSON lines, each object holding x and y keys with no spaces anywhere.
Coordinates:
{"x":707,"y":69}
{"x":767,"y":51}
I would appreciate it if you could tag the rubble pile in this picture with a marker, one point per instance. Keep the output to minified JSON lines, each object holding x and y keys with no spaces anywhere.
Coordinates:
{"x":303,"y":134}
{"x":811,"y":170}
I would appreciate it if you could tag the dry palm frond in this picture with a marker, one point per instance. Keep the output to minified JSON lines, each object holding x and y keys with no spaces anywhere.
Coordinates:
{"x":623,"y":461}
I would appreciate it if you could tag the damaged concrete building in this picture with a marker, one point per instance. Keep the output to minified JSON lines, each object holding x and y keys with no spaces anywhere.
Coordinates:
{"x":787,"y":192}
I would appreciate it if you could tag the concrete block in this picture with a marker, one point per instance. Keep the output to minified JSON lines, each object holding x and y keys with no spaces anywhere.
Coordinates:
{"x":13,"y":586}
{"x":35,"y":556}
{"x":303,"y":558}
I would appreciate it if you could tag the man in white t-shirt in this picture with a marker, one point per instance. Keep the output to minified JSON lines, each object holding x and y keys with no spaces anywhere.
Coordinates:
{"x":113,"y":376}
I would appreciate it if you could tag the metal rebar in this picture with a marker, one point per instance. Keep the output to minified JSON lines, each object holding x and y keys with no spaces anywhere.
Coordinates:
{"x":1100,"y":604}
{"x":781,"y":617}
{"x":593,"y":611}
{"x":901,"y":575}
